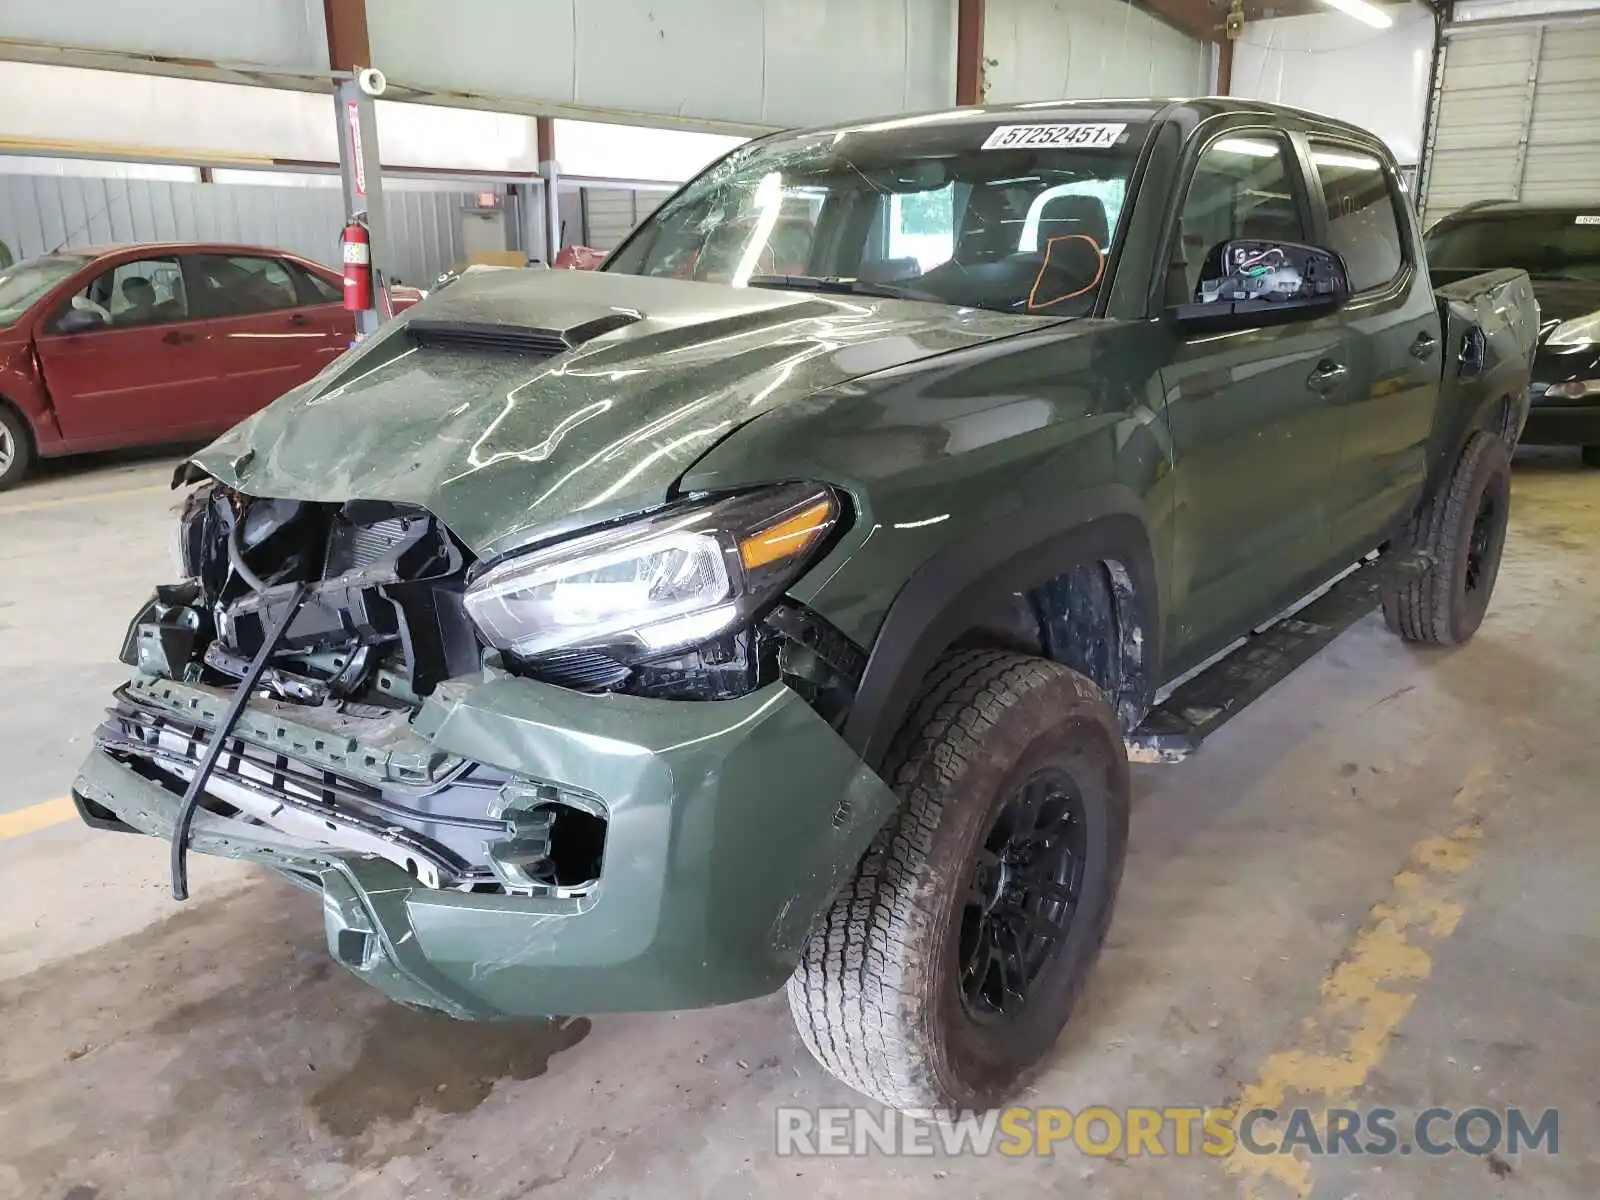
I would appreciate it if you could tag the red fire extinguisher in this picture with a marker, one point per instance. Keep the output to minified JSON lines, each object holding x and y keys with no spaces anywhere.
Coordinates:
{"x":357,"y":265}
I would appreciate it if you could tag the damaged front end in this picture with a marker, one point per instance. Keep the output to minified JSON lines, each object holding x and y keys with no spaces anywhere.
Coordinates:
{"x":346,"y":693}
{"x":368,"y":600}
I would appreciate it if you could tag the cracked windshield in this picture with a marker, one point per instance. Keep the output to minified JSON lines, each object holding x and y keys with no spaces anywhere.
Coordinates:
{"x":1016,"y":219}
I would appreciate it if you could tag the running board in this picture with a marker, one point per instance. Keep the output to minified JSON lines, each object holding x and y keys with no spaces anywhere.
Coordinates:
{"x":1198,"y":707}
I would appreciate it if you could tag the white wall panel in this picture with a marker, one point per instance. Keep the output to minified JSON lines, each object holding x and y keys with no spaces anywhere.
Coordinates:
{"x":280,"y":33}
{"x":1374,"y":78}
{"x":603,"y":151}
{"x":737,"y":63}
{"x":1049,"y":49}
{"x":107,"y":112}
{"x":217,"y":122}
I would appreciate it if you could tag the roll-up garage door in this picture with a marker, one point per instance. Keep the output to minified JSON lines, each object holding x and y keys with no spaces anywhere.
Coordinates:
{"x":1516,"y":114}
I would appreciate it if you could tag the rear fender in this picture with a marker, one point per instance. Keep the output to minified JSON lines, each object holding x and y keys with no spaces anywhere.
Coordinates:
{"x":1491,"y":325}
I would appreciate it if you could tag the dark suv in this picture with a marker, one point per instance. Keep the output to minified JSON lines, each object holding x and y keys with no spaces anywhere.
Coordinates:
{"x":1559,"y":247}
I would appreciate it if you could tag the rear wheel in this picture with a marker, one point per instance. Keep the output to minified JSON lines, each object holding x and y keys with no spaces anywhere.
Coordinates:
{"x":1462,"y":530}
{"x":947,"y":968}
{"x":1591,"y":456}
{"x":16,"y":447}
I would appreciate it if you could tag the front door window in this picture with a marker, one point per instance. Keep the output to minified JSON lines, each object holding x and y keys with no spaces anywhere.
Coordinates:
{"x":148,"y":291}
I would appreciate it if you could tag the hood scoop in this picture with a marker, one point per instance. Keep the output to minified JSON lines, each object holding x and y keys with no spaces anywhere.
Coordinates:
{"x":515,"y":339}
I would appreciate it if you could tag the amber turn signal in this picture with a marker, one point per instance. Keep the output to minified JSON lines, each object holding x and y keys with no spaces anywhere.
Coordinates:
{"x":790,"y":536}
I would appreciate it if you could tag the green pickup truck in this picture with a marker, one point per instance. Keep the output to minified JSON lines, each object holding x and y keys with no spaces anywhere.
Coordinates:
{"x":744,"y":614}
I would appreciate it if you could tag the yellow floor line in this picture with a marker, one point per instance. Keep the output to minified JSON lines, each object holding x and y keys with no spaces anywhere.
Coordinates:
{"x":82,"y":498}
{"x":36,"y":817}
{"x":1366,"y":994}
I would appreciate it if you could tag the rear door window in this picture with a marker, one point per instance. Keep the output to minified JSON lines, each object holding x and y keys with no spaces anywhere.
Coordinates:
{"x":1363,"y":217}
{"x":236,"y":285}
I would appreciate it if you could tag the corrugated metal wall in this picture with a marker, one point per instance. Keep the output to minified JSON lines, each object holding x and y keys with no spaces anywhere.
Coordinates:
{"x":609,"y":214}
{"x":40,"y":212}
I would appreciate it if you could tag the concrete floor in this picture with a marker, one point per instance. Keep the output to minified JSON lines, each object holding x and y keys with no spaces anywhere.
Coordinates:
{"x":1377,"y":887}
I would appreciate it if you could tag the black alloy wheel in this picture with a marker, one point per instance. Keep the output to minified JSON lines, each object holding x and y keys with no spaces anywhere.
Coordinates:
{"x":1023,"y":897}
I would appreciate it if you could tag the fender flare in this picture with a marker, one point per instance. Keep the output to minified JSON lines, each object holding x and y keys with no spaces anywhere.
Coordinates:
{"x":945,"y":596}
{"x":1485,"y":416}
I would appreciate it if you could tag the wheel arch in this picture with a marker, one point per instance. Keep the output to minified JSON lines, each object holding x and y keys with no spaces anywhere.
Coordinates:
{"x":1092,"y":553}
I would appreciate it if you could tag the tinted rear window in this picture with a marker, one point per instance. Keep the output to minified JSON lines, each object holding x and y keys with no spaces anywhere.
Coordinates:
{"x":1547,"y":245}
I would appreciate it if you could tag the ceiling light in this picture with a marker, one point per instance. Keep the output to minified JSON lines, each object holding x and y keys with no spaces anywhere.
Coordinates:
{"x":1367,"y":14}
{"x":1247,"y":146}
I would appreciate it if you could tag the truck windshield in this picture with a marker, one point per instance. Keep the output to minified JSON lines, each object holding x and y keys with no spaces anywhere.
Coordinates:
{"x":1012,"y":218}
{"x":1547,"y":245}
{"x":24,"y":282}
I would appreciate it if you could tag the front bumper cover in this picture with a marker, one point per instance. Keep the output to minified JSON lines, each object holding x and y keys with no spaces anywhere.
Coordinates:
{"x":731,"y":825}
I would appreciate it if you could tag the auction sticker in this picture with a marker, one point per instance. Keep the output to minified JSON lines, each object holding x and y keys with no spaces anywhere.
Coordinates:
{"x":1581,"y":220}
{"x":1074,"y":136}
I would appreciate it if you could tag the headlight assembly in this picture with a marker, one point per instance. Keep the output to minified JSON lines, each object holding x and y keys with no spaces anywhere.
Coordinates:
{"x":655,"y":585}
{"x":1580,"y":331}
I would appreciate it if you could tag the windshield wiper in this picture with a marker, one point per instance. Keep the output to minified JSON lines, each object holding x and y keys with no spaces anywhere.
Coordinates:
{"x":842,"y":286}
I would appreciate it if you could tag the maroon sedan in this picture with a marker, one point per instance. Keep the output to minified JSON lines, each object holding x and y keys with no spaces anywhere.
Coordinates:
{"x":139,"y":345}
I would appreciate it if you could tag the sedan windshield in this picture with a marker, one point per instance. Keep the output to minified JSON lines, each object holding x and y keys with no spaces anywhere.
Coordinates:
{"x":1547,"y":245}
{"x":1012,"y":218}
{"x":24,"y":282}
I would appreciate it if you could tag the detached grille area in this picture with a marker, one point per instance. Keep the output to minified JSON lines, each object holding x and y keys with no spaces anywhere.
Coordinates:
{"x":442,"y":834}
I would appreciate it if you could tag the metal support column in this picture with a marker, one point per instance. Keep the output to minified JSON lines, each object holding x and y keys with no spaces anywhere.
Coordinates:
{"x":550,"y":172}
{"x":969,"y":52}
{"x":363,"y":181}
{"x":356,"y":119}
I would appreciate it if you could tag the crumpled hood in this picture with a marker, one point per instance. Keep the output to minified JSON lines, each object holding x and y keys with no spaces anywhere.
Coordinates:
{"x":502,"y":444}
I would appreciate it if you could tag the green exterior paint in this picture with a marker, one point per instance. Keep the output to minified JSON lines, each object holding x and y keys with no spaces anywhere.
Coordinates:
{"x":504,"y":448}
{"x":732,"y":823}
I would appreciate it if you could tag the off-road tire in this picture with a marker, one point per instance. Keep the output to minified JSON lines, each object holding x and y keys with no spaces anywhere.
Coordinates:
{"x":1438,"y":607}
{"x":877,"y":994}
{"x":18,"y":438}
{"x":1591,"y":456}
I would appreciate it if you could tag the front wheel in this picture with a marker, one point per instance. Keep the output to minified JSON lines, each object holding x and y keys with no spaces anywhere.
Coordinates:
{"x":1591,"y":456}
{"x":945,"y":971}
{"x":16,"y":447}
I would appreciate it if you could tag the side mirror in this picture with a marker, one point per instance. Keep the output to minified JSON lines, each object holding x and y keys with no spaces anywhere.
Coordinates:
{"x":1246,"y":283}
{"x":77,"y":320}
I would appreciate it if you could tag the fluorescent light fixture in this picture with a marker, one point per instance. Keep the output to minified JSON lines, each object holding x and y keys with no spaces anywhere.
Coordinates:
{"x":1367,"y":14}
{"x":1247,"y":146}
{"x":1360,"y":162}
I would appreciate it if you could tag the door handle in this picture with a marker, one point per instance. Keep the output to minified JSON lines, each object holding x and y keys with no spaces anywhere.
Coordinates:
{"x":1328,"y":376}
{"x":299,"y":319}
{"x":1424,"y":346}
{"x":175,"y":336}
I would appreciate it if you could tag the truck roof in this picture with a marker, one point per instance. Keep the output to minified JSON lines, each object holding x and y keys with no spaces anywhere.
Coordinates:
{"x":1186,"y":111}
{"x":1542,"y":207}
